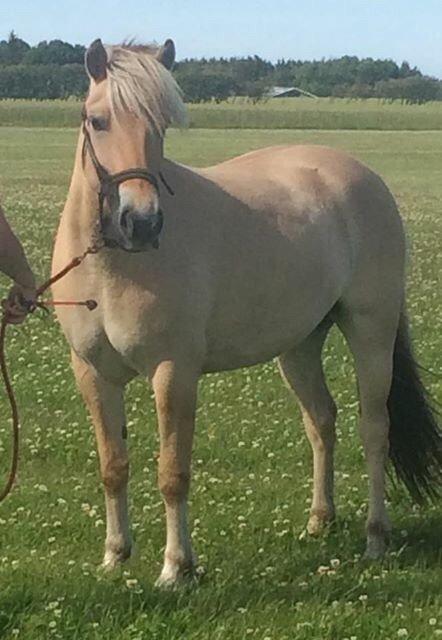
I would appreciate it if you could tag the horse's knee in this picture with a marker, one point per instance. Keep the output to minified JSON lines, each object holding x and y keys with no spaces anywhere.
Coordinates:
{"x":115,"y":474}
{"x":326,"y":419}
{"x":174,"y":486}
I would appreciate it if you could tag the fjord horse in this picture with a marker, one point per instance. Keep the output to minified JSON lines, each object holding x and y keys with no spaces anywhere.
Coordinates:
{"x":225,"y":267}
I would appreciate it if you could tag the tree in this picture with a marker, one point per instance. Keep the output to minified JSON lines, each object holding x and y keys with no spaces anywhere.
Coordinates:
{"x":55,"y":52}
{"x":13,"y":50}
{"x":55,"y":69}
{"x":415,"y":89}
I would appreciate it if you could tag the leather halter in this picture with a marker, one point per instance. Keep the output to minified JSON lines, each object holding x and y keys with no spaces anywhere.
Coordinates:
{"x":109,"y":182}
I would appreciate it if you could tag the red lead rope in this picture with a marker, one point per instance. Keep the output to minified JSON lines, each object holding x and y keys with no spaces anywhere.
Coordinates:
{"x":89,"y":304}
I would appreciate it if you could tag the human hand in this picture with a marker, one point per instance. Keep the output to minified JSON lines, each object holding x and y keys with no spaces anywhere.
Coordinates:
{"x":20,"y":301}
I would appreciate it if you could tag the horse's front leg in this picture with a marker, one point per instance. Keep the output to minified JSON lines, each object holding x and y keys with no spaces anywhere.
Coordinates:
{"x":106,"y":405}
{"x":175,"y":387}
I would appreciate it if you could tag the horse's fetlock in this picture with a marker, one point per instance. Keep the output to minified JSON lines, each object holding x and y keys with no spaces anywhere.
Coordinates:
{"x":379,"y":528}
{"x":178,"y":558}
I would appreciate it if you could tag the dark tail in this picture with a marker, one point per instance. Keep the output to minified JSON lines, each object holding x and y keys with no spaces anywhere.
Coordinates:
{"x":415,"y":438}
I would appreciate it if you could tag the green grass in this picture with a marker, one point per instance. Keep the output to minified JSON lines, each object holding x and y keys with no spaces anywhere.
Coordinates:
{"x":323,"y":113}
{"x":252,"y":478}
{"x":285,"y":113}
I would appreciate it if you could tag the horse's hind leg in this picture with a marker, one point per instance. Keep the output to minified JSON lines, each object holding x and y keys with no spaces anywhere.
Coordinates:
{"x":302,"y":370}
{"x":371,"y":336}
{"x":106,"y":406}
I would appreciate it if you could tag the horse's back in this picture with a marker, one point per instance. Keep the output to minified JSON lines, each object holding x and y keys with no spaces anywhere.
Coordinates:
{"x":301,"y":168}
{"x":306,"y":221}
{"x":312,"y":192}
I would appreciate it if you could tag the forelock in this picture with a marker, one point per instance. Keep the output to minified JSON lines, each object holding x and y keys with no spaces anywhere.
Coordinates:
{"x":140,"y":84}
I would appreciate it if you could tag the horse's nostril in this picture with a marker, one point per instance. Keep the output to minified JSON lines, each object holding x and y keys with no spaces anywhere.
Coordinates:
{"x":146,"y":229}
{"x":123,"y":219}
{"x":142,"y":228}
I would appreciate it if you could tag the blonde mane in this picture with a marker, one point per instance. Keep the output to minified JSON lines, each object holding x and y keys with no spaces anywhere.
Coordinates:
{"x":139,"y":83}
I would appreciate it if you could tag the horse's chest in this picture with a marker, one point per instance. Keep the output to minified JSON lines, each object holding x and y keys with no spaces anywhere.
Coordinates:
{"x":108,"y":341}
{"x":119,"y":336}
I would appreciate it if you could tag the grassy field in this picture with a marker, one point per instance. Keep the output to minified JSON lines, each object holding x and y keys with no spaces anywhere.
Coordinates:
{"x":252,"y":478}
{"x":240,"y":113}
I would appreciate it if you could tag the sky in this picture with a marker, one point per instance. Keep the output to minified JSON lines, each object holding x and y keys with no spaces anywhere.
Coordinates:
{"x":399,"y":29}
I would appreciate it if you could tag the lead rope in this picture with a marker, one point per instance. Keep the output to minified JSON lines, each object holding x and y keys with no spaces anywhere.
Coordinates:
{"x":89,"y":304}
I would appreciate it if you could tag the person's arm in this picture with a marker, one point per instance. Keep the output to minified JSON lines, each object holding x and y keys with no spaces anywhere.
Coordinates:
{"x":13,"y":261}
{"x":14,"y":264}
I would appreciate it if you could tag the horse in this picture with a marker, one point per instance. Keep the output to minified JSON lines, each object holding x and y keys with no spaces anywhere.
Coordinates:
{"x":205,"y":270}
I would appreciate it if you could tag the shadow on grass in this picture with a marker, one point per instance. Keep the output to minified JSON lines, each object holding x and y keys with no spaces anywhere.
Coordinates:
{"x":408,"y":572}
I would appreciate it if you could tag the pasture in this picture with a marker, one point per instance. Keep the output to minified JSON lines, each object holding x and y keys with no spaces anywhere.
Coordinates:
{"x":243,"y":113}
{"x":252,"y":477}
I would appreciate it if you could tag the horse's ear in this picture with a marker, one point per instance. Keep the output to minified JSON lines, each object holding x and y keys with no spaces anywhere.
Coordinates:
{"x":96,"y":61}
{"x":166,"y":54}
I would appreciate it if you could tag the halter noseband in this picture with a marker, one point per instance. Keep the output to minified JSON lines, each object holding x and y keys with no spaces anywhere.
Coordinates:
{"x":109,"y":182}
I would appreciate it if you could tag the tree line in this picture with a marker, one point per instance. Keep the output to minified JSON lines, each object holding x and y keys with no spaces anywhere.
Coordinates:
{"x":55,"y":70}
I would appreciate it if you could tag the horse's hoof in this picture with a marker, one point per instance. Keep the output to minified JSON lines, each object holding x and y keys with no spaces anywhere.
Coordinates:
{"x":174,"y":577}
{"x":375,"y":551}
{"x":111,"y":564}
{"x":319,"y":522}
{"x":376,"y":548}
{"x":169,"y":583}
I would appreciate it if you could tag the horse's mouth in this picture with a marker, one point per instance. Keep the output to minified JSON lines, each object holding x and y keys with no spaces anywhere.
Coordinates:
{"x":145,"y":235}
{"x":113,"y":244}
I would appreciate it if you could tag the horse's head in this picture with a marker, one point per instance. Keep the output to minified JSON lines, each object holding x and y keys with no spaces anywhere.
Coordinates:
{"x":131,"y":101}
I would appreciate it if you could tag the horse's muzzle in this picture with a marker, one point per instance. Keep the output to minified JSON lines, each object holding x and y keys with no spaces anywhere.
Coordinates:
{"x":137,"y":231}
{"x":147,"y":229}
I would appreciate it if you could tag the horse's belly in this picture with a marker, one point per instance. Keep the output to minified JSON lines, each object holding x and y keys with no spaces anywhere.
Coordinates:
{"x":274,"y":287}
{"x":255,"y":331}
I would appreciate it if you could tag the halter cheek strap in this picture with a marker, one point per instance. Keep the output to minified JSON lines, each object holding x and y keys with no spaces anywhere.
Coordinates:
{"x":109,"y":182}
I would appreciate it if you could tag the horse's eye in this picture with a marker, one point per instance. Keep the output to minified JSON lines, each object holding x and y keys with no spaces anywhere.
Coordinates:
{"x":98,"y":124}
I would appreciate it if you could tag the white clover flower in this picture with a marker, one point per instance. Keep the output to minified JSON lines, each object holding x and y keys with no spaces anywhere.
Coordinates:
{"x":131,"y":583}
{"x":322,"y":569}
